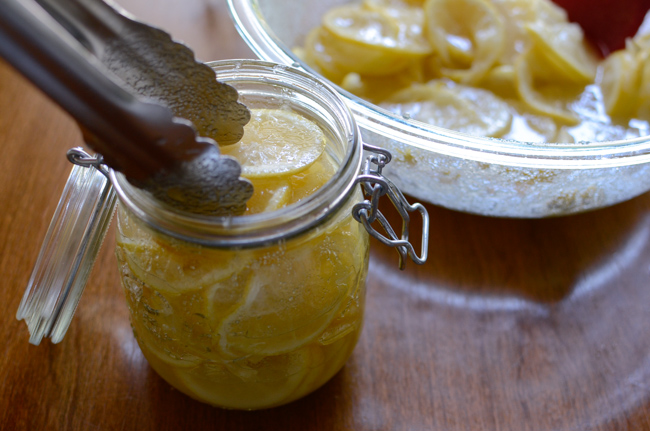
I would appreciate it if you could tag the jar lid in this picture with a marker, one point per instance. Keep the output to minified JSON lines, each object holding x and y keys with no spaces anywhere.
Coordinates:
{"x":69,"y":249}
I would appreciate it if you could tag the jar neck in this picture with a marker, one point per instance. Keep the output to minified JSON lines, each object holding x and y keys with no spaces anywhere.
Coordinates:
{"x":259,"y":81}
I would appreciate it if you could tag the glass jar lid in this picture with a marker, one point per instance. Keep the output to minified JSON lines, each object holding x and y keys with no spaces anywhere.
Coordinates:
{"x":69,"y":249}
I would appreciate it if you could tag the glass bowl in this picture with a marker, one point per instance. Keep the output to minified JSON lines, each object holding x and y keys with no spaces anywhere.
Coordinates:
{"x":486,"y":176}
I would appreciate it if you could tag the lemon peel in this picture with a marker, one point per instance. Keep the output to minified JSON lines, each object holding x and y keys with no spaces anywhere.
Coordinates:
{"x":370,"y":42}
{"x":277,"y":143}
{"x":468,"y":35}
{"x":547,"y":98}
{"x":564,"y":46}
{"x":175,"y":269}
{"x":269,"y":195}
{"x":643,"y":109}
{"x":276,"y":316}
{"x":322,"y":55}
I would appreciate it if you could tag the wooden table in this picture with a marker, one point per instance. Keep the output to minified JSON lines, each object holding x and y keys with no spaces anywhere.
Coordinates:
{"x":511,"y":325}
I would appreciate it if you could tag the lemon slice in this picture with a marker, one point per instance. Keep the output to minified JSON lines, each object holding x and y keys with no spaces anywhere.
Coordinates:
{"x":165,"y":354}
{"x":529,"y":127}
{"x":168,"y":265}
{"x":564,"y":46}
{"x":406,"y":13}
{"x":358,"y":25}
{"x":348,"y":318}
{"x":409,"y":18}
{"x":307,"y":182}
{"x":250,"y":383}
{"x":501,"y":81}
{"x":640,"y":42}
{"x":276,"y":316}
{"x":517,"y":14}
{"x":277,"y":143}
{"x":320,"y":56}
{"x":269,"y":195}
{"x":468,"y":35}
{"x":547,"y":98}
{"x":369,"y":42}
{"x":274,"y":193}
{"x":176,"y":269}
{"x":452,"y":106}
{"x":376,"y":89}
{"x":222,"y":299}
{"x":620,"y":84}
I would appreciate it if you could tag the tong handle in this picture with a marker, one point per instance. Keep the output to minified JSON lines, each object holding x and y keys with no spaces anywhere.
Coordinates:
{"x":51,"y":44}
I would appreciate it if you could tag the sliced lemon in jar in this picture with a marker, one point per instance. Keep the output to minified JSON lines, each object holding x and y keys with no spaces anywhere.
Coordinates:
{"x":306,"y":183}
{"x":274,"y":193}
{"x":293,"y":295}
{"x":277,"y":143}
{"x":175,"y":268}
{"x":468,"y":35}
{"x":453,"y":106}
{"x":369,"y":42}
{"x":223,"y":298}
{"x":269,"y":195}
{"x":249,"y":383}
{"x":565,"y":48}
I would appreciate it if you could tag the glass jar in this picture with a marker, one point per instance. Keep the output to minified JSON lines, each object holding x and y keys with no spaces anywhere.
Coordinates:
{"x":241,"y":312}
{"x":254,"y":311}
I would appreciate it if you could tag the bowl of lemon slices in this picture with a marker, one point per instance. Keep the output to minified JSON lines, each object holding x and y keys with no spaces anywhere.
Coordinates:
{"x":493,"y":107}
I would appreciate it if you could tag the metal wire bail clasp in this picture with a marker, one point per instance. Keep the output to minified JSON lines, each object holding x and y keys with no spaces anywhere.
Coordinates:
{"x":374,"y":186}
{"x":77,"y":156}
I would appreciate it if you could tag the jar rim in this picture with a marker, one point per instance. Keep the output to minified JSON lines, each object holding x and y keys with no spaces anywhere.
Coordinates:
{"x":264,"y":228}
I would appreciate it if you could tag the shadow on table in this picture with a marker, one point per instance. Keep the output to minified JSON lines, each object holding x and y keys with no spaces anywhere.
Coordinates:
{"x":325,"y":409}
{"x":542,"y":260}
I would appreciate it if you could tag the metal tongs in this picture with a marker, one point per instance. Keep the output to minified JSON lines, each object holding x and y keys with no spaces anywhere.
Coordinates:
{"x":142,"y":101}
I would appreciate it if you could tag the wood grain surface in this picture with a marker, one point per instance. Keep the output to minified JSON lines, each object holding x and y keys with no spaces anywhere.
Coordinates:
{"x":512,"y":324}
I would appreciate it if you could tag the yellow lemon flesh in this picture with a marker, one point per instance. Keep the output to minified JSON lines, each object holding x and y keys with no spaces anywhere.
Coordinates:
{"x":277,"y":143}
{"x":565,"y":48}
{"x":364,"y":40}
{"x":553,"y":99}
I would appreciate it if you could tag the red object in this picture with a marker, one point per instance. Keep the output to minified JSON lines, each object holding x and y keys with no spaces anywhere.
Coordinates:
{"x":607,"y":23}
